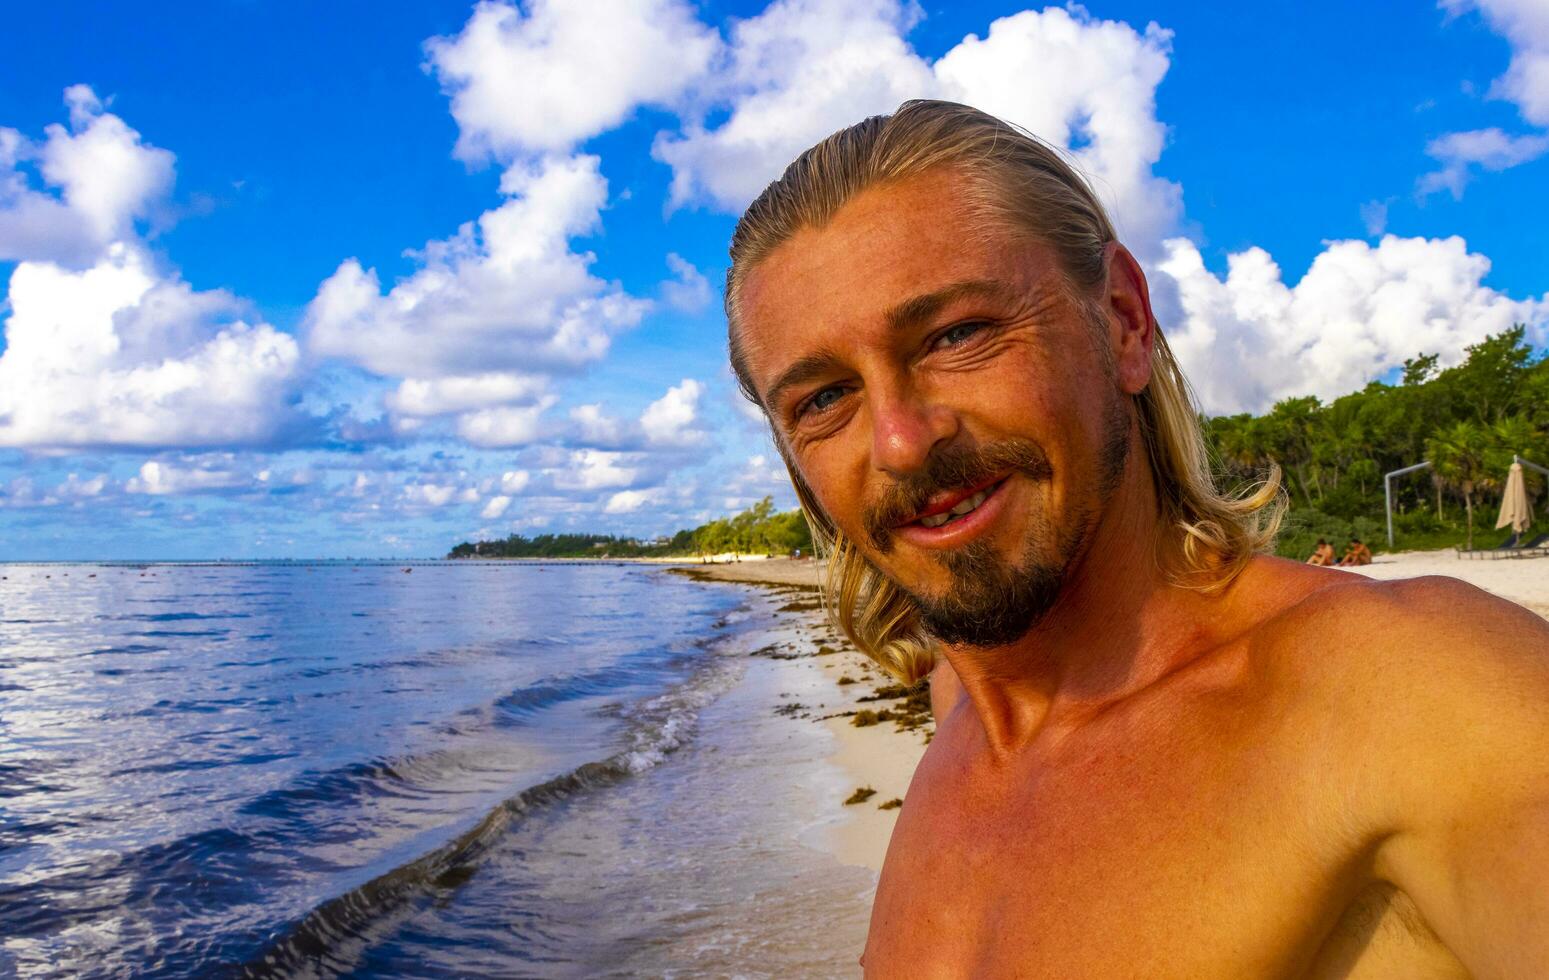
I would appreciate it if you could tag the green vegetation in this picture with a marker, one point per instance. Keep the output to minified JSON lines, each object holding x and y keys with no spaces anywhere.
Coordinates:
{"x":1467,"y":420}
{"x":756,"y":531}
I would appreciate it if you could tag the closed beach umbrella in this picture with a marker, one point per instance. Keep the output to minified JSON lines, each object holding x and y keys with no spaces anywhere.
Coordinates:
{"x":1514,"y":506}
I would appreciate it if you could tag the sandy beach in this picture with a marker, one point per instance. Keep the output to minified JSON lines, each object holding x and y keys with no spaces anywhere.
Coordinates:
{"x":839,"y":683}
{"x":882,"y":757}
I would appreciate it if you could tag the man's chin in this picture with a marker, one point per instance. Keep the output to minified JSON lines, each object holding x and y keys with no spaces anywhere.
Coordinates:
{"x":986,"y":601}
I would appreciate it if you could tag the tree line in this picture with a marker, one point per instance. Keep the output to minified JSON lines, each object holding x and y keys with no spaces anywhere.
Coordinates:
{"x":759,"y":530}
{"x":1467,"y":421}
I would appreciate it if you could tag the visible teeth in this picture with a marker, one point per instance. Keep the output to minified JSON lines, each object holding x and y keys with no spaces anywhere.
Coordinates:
{"x":963,"y":507}
{"x":967,"y":505}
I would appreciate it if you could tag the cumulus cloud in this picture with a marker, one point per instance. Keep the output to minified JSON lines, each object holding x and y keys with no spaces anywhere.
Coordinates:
{"x":1251,"y":339}
{"x":1488,"y":149}
{"x":102,"y":176}
{"x":504,"y":426}
{"x":495,"y":507}
{"x":508,"y":295}
{"x":514,"y":481}
{"x":629,"y":501}
{"x":459,"y":393}
{"x":490,"y":314}
{"x":550,"y":77}
{"x":102,"y":348}
{"x":429,"y":494}
{"x":118,"y":355}
{"x":158,"y":478}
{"x":597,"y":469}
{"x":24,"y":491}
{"x":688,"y":290}
{"x":803,"y":68}
{"x":1525,"y":25}
{"x":671,"y":419}
{"x":595,"y":426}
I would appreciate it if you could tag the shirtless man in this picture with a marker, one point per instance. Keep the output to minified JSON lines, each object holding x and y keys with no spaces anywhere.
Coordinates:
{"x":1323,"y":554}
{"x":1356,"y":554}
{"x":1149,"y":760}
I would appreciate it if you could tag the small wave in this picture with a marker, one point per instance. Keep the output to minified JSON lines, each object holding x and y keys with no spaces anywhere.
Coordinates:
{"x":126,"y":648}
{"x":173,"y":617}
{"x":330,"y":935}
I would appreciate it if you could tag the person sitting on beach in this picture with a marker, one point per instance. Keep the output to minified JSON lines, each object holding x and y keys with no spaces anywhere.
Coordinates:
{"x":1149,"y":761}
{"x":1356,"y":554}
{"x":1323,"y":554}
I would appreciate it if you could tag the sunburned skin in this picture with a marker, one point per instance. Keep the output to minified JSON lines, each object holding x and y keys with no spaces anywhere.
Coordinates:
{"x":1153,"y":782}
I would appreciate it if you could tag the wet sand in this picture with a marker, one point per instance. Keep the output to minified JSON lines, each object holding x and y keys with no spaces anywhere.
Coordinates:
{"x":838,"y":683}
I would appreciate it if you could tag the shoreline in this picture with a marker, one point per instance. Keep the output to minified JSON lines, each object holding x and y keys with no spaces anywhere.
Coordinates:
{"x":839,"y":682}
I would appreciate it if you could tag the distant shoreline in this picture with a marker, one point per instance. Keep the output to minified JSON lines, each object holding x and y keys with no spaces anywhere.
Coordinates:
{"x":800,"y":572}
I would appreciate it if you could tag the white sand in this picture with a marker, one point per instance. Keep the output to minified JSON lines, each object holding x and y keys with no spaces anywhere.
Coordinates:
{"x":1524,"y":581}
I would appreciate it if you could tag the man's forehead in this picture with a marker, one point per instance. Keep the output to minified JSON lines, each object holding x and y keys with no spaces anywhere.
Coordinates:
{"x":885,"y":247}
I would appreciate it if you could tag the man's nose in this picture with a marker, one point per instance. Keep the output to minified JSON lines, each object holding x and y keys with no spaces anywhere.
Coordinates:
{"x":906,"y":429}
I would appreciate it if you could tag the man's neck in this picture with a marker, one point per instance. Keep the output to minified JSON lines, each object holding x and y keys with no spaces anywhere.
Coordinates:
{"x":1119,"y":627}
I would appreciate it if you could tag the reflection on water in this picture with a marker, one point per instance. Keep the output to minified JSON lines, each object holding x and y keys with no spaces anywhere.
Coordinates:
{"x":502,"y":770}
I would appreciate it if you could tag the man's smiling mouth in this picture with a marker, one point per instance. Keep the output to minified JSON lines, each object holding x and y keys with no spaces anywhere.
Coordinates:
{"x":948,"y":511}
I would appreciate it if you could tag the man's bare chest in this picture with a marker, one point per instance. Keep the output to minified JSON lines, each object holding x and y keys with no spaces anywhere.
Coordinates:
{"x":1204,"y":857}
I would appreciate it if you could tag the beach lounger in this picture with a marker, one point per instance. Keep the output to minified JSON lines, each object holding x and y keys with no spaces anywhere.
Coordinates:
{"x":1512,"y":547}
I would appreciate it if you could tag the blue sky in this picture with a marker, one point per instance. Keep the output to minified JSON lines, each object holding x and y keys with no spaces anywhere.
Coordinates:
{"x":364,"y":280}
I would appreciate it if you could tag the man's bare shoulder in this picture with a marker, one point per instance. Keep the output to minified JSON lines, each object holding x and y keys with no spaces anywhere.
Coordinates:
{"x":1350,"y":627}
{"x":1410,"y":681}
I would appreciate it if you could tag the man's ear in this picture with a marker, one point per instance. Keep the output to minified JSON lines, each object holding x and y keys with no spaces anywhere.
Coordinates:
{"x":1128,"y":304}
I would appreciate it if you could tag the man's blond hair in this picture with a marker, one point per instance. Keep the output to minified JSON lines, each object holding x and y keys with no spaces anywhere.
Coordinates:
{"x":1017,"y":182}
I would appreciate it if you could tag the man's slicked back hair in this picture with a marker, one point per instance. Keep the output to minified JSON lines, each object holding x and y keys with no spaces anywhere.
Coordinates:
{"x":1014,"y":182}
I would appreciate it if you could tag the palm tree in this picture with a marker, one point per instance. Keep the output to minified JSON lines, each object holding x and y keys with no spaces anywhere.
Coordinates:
{"x":1458,"y":453}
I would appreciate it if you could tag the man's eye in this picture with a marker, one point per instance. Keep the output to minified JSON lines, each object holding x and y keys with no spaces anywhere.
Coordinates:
{"x":825,"y":398}
{"x":953,"y":336}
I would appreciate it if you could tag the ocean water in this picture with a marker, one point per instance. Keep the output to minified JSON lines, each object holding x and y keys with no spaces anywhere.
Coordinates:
{"x":464,"y":770}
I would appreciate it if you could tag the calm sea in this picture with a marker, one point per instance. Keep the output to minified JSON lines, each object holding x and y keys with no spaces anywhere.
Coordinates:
{"x":463,"y":770}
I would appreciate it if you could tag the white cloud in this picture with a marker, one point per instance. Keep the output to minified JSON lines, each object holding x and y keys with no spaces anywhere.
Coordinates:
{"x":803,"y":68}
{"x":1374,"y":215}
{"x":689,"y":290}
{"x":595,"y":426}
{"x":105,"y":175}
{"x":629,"y":501}
{"x":508,"y":297}
{"x":159,"y":478}
{"x":514,"y":481}
{"x":495,"y":507}
{"x":1089,"y":86}
{"x":596,"y":469}
{"x":429,"y":494}
{"x":1525,"y":24}
{"x":1250,"y":340}
{"x":23,"y":491}
{"x":564,"y":71}
{"x":444,"y":396}
{"x":505,"y":426}
{"x":116,"y":355}
{"x":1490,"y":149}
{"x":669,"y":421}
